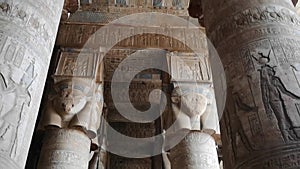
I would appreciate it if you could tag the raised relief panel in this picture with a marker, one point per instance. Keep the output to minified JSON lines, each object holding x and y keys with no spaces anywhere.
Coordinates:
{"x":139,"y":92}
{"x":17,"y":73}
{"x":276,"y":83}
{"x":25,"y":50}
{"x":132,"y":63}
{"x":189,"y":68}
{"x":74,"y":64}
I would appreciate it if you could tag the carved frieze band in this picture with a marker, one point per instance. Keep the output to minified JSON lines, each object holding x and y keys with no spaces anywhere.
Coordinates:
{"x":141,"y":40}
{"x":250,"y":19}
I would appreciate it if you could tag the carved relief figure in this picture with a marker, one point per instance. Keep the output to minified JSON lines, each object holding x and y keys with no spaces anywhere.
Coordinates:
{"x":276,"y":97}
{"x":237,"y":132}
{"x":14,"y":98}
{"x":73,"y":106}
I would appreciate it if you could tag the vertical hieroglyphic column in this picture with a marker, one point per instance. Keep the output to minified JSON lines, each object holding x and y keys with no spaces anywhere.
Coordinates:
{"x":194,"y":105}
{"x":27,"y":34}
{"x":72,"y":115}
{"x":258,"y":42}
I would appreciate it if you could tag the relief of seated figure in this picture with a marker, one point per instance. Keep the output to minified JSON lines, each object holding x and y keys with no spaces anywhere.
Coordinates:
{"x":75,"y":105}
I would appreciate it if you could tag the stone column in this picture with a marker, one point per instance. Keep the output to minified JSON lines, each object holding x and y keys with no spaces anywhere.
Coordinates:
{"x":72,"y":117}
{"x":194,"y":105}
{"x":68,"y":148}
{"x":259,"y":45}
{"x":27,"y":34}
{"x":196,"y":151}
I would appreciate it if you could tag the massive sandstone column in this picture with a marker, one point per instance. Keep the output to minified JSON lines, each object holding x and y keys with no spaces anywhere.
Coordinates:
{"x":27,"y":34}
{"x":194,"y":105}
{"x":259,"y":44}
{"x":72,"y":116}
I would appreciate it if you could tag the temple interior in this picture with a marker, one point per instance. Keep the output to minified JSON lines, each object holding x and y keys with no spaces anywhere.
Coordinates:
{"x":149,"y":84}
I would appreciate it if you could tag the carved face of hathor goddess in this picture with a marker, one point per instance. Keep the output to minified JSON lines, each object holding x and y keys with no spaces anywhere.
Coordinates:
{"x":69,"y":101}
{"x":191,"y":103}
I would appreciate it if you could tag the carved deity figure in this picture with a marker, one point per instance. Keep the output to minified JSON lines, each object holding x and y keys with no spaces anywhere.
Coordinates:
{"x":191,"y":105}
{"x":75,"y":104}
{"x":276,"y":97}
{"x":14,"y":98}
{"x":273,"y":92}
{"x":236,"y":129}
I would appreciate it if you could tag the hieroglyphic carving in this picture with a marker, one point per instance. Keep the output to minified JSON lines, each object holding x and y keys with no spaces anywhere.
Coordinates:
{"x":77,"y":64}
{"x":18,"y":72}
{"x":197,"y":150}
{"x":275,"y":96}
{"x":113,"y":59}
{"x":258,"y":47}
{"x":186,"y":68}
{"x":252,"y":16}
{"x":139,"y":92}
{"x":141,"y":40}
{"x":58,"y":150}
{"x":27,"y":38}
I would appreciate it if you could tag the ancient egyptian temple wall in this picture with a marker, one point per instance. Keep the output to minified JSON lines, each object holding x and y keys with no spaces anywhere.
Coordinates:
{"x":79,"y":89}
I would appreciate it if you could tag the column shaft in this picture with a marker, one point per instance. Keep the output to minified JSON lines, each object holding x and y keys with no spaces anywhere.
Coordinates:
{"x":27,"y":34}
{"x":65,"y":149}
{"x":196,"y":151}
{"x":259,"y":44}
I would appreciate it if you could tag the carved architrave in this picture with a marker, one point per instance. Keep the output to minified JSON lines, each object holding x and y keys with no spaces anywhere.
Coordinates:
{"x":141,"y":40}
